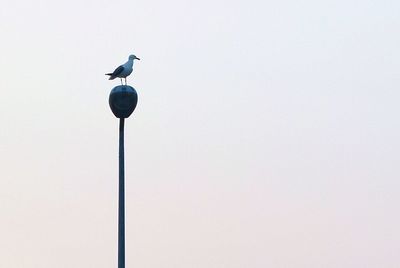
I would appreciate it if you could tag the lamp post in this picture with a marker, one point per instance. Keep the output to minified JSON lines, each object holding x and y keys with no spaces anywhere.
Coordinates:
{"x":122,"y":100}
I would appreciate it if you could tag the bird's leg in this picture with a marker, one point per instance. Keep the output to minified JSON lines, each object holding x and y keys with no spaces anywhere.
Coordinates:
{"x":121,"y":81}
{"x":125,"y":81}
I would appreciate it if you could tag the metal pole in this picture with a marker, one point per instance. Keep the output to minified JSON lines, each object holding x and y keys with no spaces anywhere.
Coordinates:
{"x":121,"y":198}
{"x":122,"y":100}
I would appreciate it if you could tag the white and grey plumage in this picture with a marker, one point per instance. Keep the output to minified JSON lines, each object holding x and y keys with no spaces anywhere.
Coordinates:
{"x":123,"y":70}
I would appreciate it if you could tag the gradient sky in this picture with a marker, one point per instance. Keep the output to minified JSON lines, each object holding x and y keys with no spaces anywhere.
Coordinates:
{"x":266,"y":134}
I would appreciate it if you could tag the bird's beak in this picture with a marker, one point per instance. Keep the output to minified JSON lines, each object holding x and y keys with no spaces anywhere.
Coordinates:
{"x":137,"y":58}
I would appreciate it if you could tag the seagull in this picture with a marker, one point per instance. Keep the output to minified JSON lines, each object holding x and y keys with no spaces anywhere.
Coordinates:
{"x":123,"y":70}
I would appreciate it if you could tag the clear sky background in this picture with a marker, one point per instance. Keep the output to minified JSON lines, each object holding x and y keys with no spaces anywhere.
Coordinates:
{"x":266,"y":134}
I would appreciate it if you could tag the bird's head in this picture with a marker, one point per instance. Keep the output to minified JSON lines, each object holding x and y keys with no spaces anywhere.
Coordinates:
{"x":133,"y":57}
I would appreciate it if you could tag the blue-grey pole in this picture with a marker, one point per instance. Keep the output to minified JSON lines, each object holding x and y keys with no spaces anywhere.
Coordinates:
{"x":121,"y":198}
{"x":123,"y":100}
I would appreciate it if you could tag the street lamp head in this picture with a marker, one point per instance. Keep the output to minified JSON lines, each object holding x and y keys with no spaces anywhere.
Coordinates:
{"x":123,"y":100}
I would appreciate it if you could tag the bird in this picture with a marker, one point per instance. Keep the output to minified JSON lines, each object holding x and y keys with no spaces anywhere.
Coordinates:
{"x":123,"y":70}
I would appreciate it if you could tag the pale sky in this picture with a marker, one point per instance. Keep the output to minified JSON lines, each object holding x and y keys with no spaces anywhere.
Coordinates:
{"x":266,"y":134}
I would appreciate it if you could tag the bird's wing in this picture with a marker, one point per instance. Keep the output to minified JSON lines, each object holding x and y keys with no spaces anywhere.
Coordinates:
{"x":117,"y":71}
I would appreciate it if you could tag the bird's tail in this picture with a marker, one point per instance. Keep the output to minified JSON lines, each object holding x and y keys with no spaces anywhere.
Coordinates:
{"x":111,"y":76}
